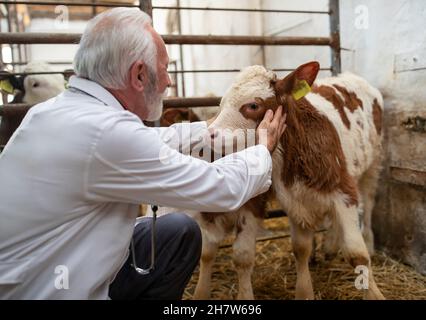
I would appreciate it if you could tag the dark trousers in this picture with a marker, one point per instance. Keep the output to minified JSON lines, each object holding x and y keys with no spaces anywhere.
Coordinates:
{"x":178,"y":250}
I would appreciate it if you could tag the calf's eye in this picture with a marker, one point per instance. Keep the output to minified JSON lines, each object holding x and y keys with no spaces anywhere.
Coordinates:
{"x":253,"y":106}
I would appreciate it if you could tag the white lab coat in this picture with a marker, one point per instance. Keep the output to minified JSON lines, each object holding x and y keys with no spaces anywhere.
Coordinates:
{"x":72,"y":177}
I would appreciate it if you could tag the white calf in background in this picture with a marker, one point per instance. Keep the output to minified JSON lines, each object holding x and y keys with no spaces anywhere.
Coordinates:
{"x":27,"y":88}
{"x":36,"y":88}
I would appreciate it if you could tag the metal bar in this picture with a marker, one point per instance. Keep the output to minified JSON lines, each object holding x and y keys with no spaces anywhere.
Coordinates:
{"x":245,"y":40}
{"x":146,"y":6}
{"x":171,"y":71}
{"x":72,"y":3}
{"x":118,"y":4}
{"x":241,"y":10}
{"x":167,"y":103}
{"x":175,"y":80}
{"x":18,"y":29}
{"x":74,"y":38}
{"x":94,"y":9}
{"x":232,"y":70}
{"x":2,"y":64}
{"x":191,"y":102}
{"x":336,"y":63}
{"x":39,"y":38}
{"x":182,"y":63}
{"x":9,"y":29}
{"x":26,"y":62}
{"x":36,"y":73}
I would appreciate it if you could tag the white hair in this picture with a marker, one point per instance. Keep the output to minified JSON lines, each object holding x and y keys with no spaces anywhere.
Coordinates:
{"x":111,"y":43}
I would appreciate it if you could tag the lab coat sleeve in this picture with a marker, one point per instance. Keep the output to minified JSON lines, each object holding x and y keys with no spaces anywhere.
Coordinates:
{"x":183,"y":136}
{"x":131,"y":164}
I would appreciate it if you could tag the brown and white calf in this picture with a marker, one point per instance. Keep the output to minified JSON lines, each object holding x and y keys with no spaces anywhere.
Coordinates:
{"x":327,"y":163}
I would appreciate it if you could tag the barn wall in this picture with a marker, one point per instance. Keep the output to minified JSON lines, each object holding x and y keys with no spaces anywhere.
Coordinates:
{"x":391,"y":53}
{"x":49,"y":52}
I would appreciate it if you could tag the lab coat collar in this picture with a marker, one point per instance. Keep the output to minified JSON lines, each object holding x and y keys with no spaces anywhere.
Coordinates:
{"x":95,"y":90}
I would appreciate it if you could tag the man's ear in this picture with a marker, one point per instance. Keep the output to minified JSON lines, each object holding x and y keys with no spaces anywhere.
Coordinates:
{"x":305,"y":74}
{"x":138,"y":75}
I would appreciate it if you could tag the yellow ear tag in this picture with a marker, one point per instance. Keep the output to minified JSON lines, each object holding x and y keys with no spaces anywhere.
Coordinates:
{"x":301,"y":89}
{"x":6,"y":86}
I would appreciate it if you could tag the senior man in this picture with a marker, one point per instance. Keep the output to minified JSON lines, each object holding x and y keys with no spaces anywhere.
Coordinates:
{"x":75,"y":171}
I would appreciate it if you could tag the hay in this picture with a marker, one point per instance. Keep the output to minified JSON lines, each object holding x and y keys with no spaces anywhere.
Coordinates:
{"x":274,"y":275}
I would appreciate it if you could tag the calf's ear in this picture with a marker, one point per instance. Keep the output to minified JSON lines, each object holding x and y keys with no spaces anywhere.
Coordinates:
{"x":308,"y":72}
{"x":299,"y":81}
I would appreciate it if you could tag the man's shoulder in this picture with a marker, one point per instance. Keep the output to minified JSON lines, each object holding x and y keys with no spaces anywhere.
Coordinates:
{"x":85,"y":108}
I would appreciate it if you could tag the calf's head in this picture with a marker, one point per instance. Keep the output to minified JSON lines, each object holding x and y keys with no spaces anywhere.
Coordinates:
{"x":254,"y":91}
{"x":33,"y":88}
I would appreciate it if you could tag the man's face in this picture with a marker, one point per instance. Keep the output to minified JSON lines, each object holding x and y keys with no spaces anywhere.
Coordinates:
{"x":158,"y":81}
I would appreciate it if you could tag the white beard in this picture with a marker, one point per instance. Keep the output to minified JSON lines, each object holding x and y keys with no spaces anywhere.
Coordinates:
{"x":155,"y":106}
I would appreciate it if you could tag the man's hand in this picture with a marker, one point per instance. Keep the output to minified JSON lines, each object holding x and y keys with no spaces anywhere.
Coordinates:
{"x":274,"y":124}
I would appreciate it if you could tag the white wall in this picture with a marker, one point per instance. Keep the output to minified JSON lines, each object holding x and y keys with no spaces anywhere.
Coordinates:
{"x":54,"y":52}
{"x":397,"y":29}
{"x":296,"y":24}
{"x":391,"y":53}
{"x":216,"y":56}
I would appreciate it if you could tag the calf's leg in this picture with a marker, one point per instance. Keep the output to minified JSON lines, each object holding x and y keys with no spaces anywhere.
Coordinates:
{"x":301,"y":239}
{"x":208,"y":255}
{"x":368,"y":186}
{"x":354,"y":248}
{"x":244,"y":253}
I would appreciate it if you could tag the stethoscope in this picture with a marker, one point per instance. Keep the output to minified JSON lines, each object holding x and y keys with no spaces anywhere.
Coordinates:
{"x":132,"y":246}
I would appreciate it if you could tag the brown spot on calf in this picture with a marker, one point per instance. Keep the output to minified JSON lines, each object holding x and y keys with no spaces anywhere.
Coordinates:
{"x":332,"y":96}
{"x":352,"y":102}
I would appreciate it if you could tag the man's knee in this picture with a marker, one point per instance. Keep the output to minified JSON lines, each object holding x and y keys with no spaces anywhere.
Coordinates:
{"x":186,"y":228}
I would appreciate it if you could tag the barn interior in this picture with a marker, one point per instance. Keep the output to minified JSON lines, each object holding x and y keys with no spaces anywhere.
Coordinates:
{"x":209,"y":42}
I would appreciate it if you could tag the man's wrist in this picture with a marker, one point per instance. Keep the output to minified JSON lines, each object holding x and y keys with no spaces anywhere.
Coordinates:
{"x":265,"y":144}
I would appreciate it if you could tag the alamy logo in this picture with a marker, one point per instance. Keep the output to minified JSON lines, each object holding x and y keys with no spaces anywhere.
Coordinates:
{"x":61,"y":21}
{"x":62,"y":278}
{"x":362,"y":17}
{"x":226,"y":143}
{"x":361,"y":281}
